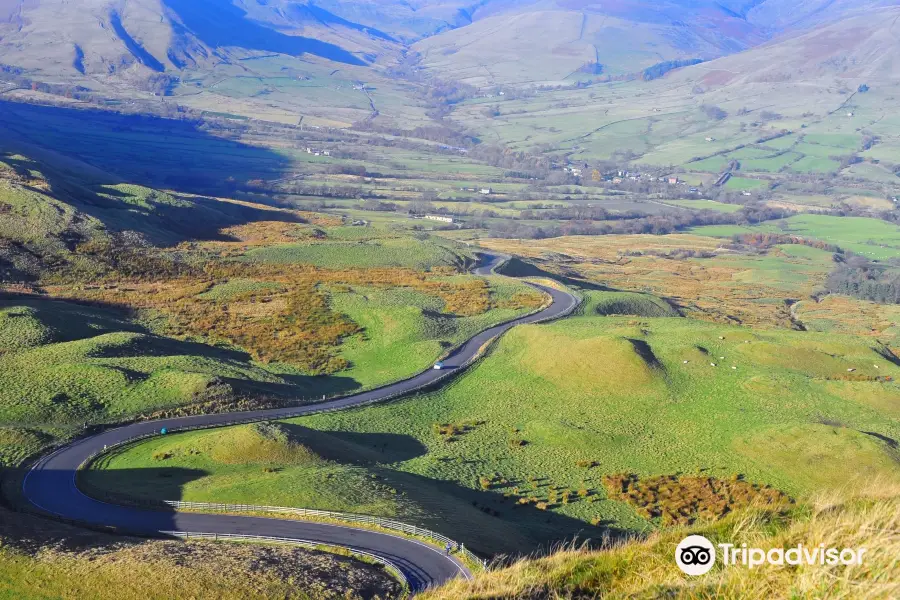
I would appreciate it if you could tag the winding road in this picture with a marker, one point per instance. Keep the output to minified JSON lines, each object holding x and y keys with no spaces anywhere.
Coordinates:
{"x":50,"y":484}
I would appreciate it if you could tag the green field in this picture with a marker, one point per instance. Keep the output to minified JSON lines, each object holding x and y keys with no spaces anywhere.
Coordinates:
{"x":744,"y":183}
{"x":610,"y":391}
{"x":790,"y":268}
{"x":706,"y":205}
{"x":271,"y":463}
{"x":370,"y":252}
{"x":771,"y":164}
{"x":871,"y":238}
{"x":815,"y":164}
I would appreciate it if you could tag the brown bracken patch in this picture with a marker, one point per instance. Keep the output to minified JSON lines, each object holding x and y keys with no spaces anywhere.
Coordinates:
{"x":683,"y":499}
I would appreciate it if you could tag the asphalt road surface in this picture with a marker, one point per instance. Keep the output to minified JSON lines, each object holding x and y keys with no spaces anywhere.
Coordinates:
{"x":50,"y":484}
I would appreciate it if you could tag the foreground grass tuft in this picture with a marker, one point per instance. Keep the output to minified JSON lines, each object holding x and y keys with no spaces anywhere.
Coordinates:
{"x":647,"y":569}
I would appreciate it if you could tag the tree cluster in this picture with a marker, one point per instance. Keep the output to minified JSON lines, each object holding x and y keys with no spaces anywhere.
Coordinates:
{"x":858,"y":277}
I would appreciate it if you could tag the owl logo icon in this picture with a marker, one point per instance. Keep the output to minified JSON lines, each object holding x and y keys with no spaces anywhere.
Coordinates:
{"x":695,"y":555}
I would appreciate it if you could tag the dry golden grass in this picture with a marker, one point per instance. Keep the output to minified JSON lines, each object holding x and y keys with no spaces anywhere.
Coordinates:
{"x":708,"y":291}
{"x":313,"y":218}
{"x":868,"y":518}
{"x":42,"y":559}
{"x":290,"y":322}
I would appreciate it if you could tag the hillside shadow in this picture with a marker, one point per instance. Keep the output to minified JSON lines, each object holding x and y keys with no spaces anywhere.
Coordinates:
{"x":488,"y":522}
{"x":358,"y":448}
{"x":152,"y":484}
{"x":23,"y":528}
{"x":80,"y":152}
{"x":516,"y":267}
{"x":219,"y":23}
{"x":298,"y":389}
{"x":484,"y":521}
{"x":313,"y":12}
{"x":9,"y":271}
{"x":69,"y":321}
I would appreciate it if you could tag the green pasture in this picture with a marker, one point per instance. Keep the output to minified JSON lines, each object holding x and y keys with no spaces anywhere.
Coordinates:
{"x":557,"y":406}
{"x":387,"y":251}
{"x":872,"y":238}
{"x":706,"y":205}
{"x":745,"y":183}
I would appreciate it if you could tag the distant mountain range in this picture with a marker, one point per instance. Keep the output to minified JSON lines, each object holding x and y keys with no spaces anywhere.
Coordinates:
{"x":484,"y":42}
{"x":547,"y":41}
{"x":862,"y":48}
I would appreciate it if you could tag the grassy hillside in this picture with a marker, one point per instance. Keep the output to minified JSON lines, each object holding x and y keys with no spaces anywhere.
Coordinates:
{"x":64,"y":364}
{"x":644,"y":395}
{"x":627,"y":303}
{"x":646,"y":569}
{"x":275,"y":459}
{"x":548,"y":43}
{"x":123,"y":300}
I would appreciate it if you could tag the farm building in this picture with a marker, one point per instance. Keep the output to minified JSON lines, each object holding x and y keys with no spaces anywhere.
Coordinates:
{"x":442,"y":218}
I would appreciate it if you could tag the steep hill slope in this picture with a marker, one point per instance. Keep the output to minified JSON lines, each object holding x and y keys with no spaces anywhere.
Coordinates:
{"x":802,"y":14}
{"x":548,"y":40}
{"x":139,"y":37}
{"x":860,"y":47}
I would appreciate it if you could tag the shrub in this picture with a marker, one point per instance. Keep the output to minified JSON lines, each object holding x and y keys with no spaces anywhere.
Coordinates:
{"x":713,"y":112}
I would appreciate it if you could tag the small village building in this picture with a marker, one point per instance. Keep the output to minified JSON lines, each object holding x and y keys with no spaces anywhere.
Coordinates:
{"x":441,"y":218}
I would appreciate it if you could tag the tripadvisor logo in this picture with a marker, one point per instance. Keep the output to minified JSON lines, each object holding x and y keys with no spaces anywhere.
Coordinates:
{"x":696,"y":555}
